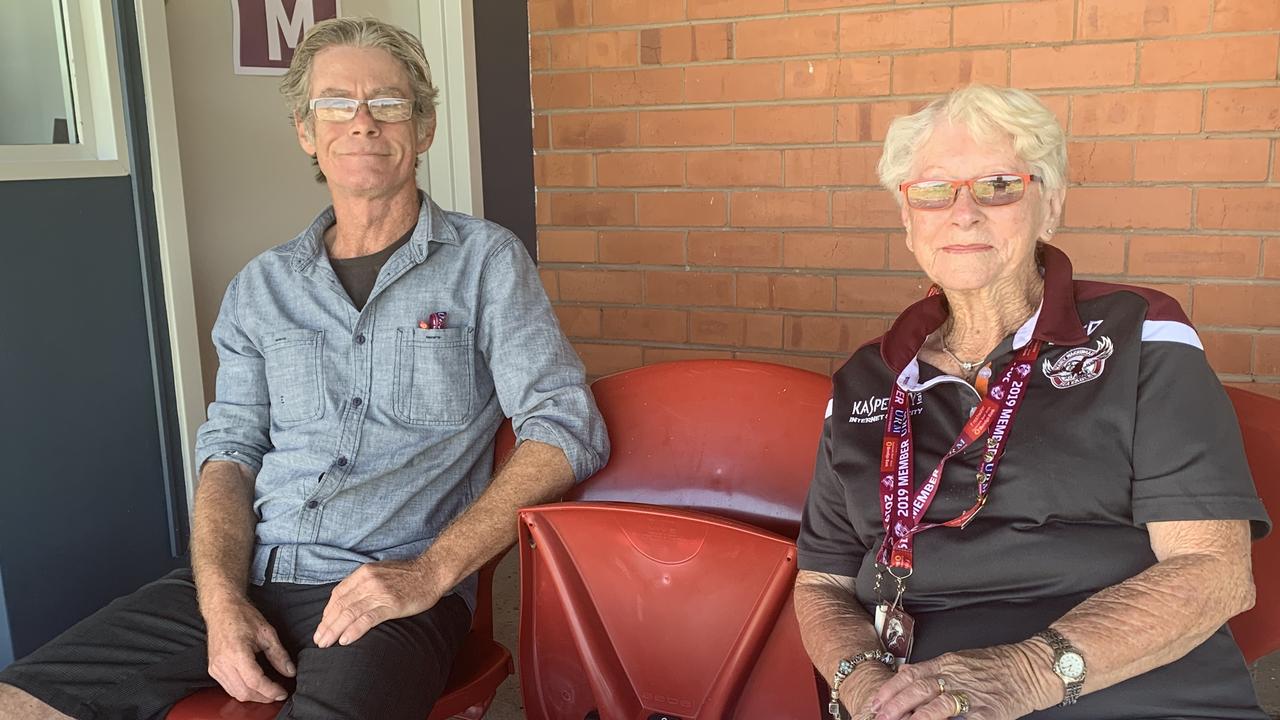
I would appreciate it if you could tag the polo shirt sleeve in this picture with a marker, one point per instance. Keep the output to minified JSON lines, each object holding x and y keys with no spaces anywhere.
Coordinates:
{"x":239,"y":424}
{"x":1188,"y":457}
{"x":828,"y":542}
{"x":540,"y":382}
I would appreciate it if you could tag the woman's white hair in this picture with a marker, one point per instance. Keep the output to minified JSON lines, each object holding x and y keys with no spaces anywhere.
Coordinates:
{"x":987,"y":112}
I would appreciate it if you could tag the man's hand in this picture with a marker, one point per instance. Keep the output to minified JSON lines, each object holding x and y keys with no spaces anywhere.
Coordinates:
{"x":373,"y":594}
{"x":237,"y":632}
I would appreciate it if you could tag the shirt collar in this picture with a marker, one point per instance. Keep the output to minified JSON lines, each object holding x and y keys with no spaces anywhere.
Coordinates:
{"x":432,"y":226}
{"x":1056,"y":321}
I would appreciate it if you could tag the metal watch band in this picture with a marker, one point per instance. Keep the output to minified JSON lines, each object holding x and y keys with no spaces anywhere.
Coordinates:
{"x":845,"y":668}
{"x":1060,"y":646}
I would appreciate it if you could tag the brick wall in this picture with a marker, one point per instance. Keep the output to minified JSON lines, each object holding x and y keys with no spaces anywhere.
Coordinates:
{"x":705,"y":168}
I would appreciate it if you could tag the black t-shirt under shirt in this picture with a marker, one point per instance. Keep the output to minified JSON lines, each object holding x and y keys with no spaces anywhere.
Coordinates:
{"x":358,"y":275}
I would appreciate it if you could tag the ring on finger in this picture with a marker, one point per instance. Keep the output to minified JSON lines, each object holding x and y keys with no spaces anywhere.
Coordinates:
{"x":942,"y":685}
{"x":961,"y":701}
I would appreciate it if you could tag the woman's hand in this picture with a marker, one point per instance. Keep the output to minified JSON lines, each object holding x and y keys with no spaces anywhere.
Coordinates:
{"x":858,"y":689}
{"x":998,"y":683}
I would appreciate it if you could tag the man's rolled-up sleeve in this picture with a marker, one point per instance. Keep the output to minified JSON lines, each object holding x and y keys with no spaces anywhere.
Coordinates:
{"x":540,"y":382}
{"x":238,"y":428}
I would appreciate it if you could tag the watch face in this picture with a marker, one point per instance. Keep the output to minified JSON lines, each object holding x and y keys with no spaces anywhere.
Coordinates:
{"x":1070,"y":666}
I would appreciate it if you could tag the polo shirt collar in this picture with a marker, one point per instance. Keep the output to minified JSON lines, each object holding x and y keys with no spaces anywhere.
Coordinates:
{"x":432,"y":226}
{"x":1056,"y":321}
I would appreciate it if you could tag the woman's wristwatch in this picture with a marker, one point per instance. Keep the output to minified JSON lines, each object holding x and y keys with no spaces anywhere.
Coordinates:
{"x":846,"y":668}
{"x":1068,"y":664}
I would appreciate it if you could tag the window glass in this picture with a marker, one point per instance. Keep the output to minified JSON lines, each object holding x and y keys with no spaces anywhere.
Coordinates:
{"x":36,"y":101}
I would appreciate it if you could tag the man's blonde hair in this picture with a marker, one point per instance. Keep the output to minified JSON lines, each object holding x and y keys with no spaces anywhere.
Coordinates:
{"x":986,"y":112}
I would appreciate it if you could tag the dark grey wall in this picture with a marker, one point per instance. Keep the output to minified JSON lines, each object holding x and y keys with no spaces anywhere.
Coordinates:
{"x":83,"y":513}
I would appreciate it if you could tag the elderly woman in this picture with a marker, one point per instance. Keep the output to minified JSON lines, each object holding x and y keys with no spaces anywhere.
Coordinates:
{"x":1031,"y":495}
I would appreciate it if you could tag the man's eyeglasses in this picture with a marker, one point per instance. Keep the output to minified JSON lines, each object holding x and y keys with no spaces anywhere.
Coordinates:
{"x":989,"y":190}
{"x":340,"y":109}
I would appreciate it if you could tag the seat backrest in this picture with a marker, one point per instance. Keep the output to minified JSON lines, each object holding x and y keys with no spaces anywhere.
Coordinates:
{"x":635,"y":611}
{"x":1258,"y":630}
{"x":730,"y":437}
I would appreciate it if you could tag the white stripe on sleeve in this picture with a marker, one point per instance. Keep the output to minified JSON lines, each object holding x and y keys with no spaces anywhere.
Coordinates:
{"x":1170,"y":331}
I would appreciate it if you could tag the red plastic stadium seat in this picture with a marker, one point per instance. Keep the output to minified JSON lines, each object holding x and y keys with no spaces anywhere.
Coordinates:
{"x":682,"y":606}
{"x":1258,"y":630}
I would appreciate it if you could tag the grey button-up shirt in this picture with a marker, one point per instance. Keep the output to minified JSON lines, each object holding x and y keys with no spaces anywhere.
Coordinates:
{"x":368,"y":433}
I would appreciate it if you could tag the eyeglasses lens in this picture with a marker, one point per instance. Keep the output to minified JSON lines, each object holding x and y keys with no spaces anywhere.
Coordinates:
{"x":929,"y":195}
{"x":997,"y":189}
{"x":345,"y":109}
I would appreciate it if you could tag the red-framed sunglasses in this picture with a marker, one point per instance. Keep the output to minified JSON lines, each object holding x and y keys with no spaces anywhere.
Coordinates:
{"x":988,"y":190}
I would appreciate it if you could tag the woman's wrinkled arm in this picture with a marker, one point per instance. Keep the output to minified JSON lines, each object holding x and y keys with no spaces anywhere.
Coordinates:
{"x":834,"y":626}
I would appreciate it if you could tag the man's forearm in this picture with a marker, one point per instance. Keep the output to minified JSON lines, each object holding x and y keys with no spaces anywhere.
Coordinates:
{"x":536,"y":473}
{"x":222,"y":532}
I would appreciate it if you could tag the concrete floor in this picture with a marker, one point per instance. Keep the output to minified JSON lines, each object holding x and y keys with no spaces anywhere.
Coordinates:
{"x":508,"y":705}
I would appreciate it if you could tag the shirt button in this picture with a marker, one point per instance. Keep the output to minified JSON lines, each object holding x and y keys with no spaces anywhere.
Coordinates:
{"x":356,"y":402}
{"x":313,"y":504}
{"x":342,"y":461}
{"x":360,"y":339}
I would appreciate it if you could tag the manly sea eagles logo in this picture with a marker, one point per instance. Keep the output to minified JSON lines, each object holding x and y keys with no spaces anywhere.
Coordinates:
{"x":1079,"y":365}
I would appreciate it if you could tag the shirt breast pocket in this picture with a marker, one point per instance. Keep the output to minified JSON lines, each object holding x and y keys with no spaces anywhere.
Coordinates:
{"x":434,"y":377}
{"x":292,"y":359}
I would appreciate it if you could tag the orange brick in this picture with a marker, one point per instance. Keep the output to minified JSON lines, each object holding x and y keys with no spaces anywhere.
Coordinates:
{"x":569,"y":51}
{"x":878,"y":294}
{"x":685,"y":43}
{"x":1107,"y":19}
{"x":808,"y":167}
{"x":1095,"y":162}
{"x":637,"y":87}
{"x":645,"y":324}
{"x":539,"y":52}
{"x":1194,"y":255}
{"x":1238,"y":305}
{"x":824,"y":333}
{"x":735,"y":249}
{"x":562,"y":170}
{"x":1073,"y":65}
{"x":608,"y":359}
{"x":801,"y":35}
{"x":640,"y":169}
{"x":698,"y":9}
{"x":593,"y":130}
{"x":1133,"y":113}
{"x":818,"y":364}
{"x":600,"y":286}
{"x":1238,"y":208}
{"x":1024,"y":22}
{"x":806,"y":208}
{"x":579,"y":321}
{"x":784,"y":124}
{"x":670,"y":209}
{"x":736,"y":329}
{"x":845,"y":77}
{"x":653,"y":356}
{"x":1129,"y":207}
{"x":1181,"y":292}
{"x":754,"y":290}
{"x":1228,"y":352}
{"x":567,"y":246}
{"x":542,"y":208}
{"x":1202,"y":160}
{"x":561,"y":90}
{"x":864,"y":122}
{"x":629,"y":12}
{"x":865,"y":209}
{"x":840,"y":251}
{"x":941,"y":72}
{"x":1243,"y":109}
{"x":1258,"y":386}
{"x":800,"y":5}
{"x":688,"y":288}
{"x":1239,"y":15}
{"x":1214,"y":59}
{"x":666,"y":128}
{"x":541,"y":132}
{"x":640,"y":247}
{"x":592,"y":209}
{"x":595,"y":50}
{"x":1092,"y":253}
{"x":913,"y":29}
{"x":1275,"y":164}
{"x":1271,"y":258}
{"x":736,"y":82}
{"x":803,"y":292}
{"x":558,"y":14}
{"x":1266,"y":360}
{"x":551,"y":283}
{"x":734,"y":168}
{"x":900,"y":256}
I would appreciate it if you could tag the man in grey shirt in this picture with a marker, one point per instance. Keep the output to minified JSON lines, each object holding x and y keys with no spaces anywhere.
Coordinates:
{"x":345,"y":499}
